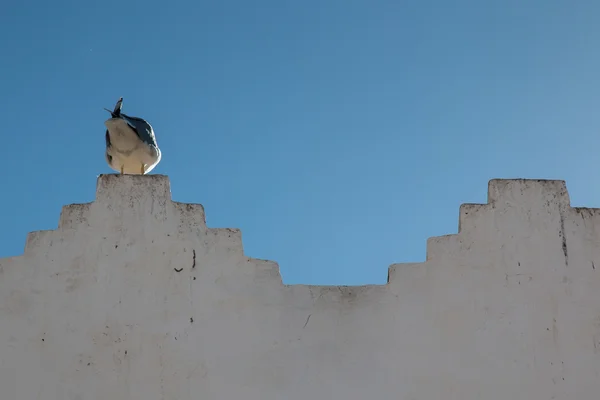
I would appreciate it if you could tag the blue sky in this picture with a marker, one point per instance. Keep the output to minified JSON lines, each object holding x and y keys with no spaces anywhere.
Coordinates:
{"x":337,"y":134}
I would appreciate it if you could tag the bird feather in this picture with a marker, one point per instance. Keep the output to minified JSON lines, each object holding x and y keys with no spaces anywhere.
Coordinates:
{"x":142,"y":129}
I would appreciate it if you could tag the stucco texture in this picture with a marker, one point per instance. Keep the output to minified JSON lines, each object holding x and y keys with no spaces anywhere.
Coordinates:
{"x":133,"y":297}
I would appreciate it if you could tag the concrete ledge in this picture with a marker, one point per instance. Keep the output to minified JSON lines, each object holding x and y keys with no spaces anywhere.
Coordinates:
{"x":533,"y":191}
{"x":133,"y":297}
{"x":135,"y":204}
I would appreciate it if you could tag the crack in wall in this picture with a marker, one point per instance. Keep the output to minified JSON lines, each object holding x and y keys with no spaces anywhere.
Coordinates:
{"x":563,"y":234}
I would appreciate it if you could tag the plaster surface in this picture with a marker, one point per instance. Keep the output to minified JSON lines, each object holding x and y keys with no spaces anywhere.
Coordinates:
{"x":133,"y":297}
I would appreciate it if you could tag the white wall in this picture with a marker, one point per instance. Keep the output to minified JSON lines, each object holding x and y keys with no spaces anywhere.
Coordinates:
{"x":509,"y":308}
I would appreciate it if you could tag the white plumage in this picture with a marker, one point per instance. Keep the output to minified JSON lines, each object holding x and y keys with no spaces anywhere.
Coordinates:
{"x":131,"y":146}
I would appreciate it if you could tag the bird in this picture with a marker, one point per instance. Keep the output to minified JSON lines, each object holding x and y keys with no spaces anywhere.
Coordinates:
{"x":131,"y":146}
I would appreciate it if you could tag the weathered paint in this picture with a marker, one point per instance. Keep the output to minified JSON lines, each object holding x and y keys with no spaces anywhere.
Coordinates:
{"x":133,"y":297}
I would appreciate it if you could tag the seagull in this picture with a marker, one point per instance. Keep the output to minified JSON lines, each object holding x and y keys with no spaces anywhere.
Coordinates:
{"x":131,"y":146}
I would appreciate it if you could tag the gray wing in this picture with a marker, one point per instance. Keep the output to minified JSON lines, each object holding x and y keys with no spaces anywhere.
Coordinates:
{"x":142,"y":128}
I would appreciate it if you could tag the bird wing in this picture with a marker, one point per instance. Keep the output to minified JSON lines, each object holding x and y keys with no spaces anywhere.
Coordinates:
{"x":142,"y":128}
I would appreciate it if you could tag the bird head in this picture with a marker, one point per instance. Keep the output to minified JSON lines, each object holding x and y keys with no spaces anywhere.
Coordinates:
{"x":116,"y":113}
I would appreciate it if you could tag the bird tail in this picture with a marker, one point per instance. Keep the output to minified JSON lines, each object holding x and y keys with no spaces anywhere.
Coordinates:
{"x":116,"y":113}
{"x":117,"y":110}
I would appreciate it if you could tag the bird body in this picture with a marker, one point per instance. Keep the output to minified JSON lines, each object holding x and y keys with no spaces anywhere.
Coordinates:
{"x":131,"y":146}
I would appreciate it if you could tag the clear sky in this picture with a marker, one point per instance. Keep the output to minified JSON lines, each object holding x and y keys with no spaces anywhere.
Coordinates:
{"x":337,"y":134}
